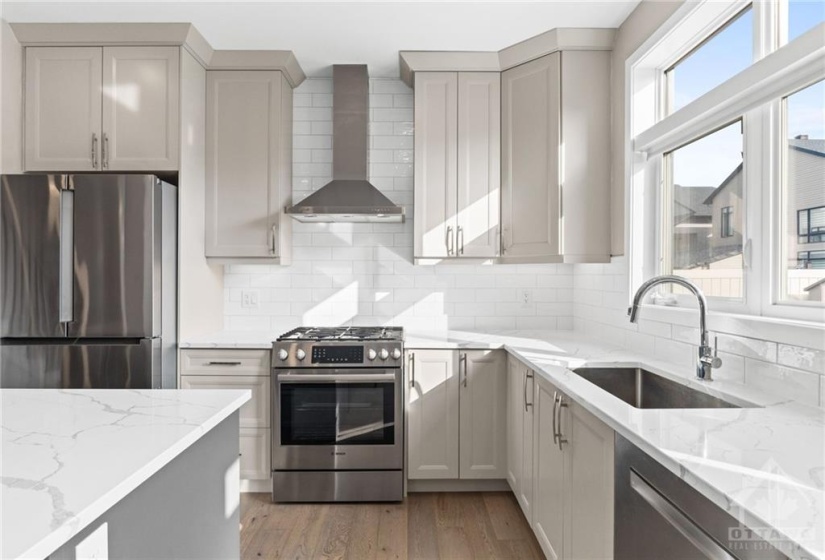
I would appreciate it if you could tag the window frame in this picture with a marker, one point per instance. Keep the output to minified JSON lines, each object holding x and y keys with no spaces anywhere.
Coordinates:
{"x":755,"y":95}
{"x":725,"y":222}
{"x":807,"y":235}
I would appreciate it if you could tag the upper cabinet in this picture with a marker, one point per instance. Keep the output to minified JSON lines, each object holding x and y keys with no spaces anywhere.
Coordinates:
{"x":102,"y":108}
{"x":457,"y":170}
{"x":556,"y":159}
{"x":248,"y":166}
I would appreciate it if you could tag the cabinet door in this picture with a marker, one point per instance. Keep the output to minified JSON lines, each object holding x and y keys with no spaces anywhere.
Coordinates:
{"x":588,"y":484}
{"x":243,"y":121}
{"x":516,"y":405}
{"x":432,"y":414}
{"x":527,"y":492}
{"x":140,"y":108}
{"x":254,"y":453}
{"x":63,"y":108}
{"x":483,"y":416}
{"x":548,"y":512}
{"x":479,"y":170}
{"x":530,"y":195}
{"x":254,"y":412}
{"x":436,"y":154}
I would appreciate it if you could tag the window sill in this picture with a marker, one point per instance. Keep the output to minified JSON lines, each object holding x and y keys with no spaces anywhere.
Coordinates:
{"x":808,"y":334}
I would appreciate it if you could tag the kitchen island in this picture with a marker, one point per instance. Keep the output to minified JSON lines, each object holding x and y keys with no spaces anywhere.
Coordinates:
{"x":119,"y":473}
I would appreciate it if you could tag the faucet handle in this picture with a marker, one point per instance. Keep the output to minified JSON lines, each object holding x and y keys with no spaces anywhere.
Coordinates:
{"x":716,"y":361}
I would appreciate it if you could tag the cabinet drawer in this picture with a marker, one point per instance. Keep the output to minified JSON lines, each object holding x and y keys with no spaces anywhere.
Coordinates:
{"x":254,"y":453}
{"x":255,"y":412}
{"x":224,"y":362}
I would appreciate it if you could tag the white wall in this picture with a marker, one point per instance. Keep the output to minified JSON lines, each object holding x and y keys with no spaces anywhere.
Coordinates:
{"x":363,"y":272}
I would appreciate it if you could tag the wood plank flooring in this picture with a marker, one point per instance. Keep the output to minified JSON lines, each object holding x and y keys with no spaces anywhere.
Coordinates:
{"x":447,"y":526}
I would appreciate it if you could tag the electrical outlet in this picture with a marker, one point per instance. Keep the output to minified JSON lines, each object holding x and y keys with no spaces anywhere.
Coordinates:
{"x":526,"y":297}
{"x":250,"y":299}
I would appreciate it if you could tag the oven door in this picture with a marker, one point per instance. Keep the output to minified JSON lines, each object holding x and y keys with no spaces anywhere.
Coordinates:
{"x":337,"y":419}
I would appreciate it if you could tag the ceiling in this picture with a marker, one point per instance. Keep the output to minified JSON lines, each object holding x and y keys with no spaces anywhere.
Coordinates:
{"x":325,"y":33}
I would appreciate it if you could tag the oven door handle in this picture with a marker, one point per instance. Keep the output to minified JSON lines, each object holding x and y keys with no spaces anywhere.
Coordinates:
{"x":334,"y":378}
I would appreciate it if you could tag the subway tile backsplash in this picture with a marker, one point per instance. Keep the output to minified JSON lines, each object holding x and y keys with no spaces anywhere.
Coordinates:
{"x":363,"y":273}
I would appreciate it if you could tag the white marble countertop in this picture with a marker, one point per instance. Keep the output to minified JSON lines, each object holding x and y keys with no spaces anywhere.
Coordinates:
{"x":70,"y":455}
{"x":249,"y":340}
{"x":764,"y":465}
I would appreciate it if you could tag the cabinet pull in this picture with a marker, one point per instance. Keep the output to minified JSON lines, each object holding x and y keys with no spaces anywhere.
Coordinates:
{"x":555,"y":427}
{"x":94,"y":150}
{"x":412,"y":369}
{"x":463,"y":360}
{"x":460,"y":240}
{"x":223,"y":363}
{"x":562,"y":404}
{"x":105,"y":150}
{"x":527,"y":376}
{"x":449,"y":240}
{"x":273,"y":233}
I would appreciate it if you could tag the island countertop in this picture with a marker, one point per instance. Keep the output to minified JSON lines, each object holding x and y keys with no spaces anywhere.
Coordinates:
{"x":70,"y":455}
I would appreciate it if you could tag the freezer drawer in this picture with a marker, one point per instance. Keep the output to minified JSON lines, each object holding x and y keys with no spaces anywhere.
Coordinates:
{"x":97,"y":365}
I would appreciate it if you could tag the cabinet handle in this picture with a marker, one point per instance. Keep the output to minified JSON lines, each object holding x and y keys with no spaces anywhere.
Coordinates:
{"x":555,"y":427}
{"x":460,"y":240}
{"x":527,"y":405}
{"x":273,"y":233}
{"x":562,"y":404}
{"x":223,"y":363}
{"x":412,"y":369}
{"x":105,"y":150}
{"x":94,"y":150}
{"x":463,"y":360}
{"x":449,"y":240}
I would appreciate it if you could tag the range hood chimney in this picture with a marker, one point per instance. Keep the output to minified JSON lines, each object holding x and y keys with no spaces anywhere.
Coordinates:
{"x":349,"y":197}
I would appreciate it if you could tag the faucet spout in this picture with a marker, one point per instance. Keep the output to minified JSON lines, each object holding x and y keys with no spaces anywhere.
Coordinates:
{"x":707,"y":359}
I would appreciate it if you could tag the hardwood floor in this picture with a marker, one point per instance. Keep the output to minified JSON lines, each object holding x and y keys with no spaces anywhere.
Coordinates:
{"x":448,"y":526}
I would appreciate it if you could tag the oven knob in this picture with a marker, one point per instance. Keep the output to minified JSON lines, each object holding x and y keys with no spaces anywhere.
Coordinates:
{"x":283,"y":354}
{"x":384,"y":354}
{"x":300,"y":354}
{"x":396,"y":354}
{"x":371,"y":354}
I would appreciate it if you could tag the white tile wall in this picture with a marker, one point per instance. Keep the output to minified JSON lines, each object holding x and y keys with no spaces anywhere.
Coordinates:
{"x":601,"y":296}
{"x":363,"y":273}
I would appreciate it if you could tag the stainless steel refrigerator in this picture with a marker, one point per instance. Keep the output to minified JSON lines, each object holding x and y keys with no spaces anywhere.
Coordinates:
{"x":88,"y":294}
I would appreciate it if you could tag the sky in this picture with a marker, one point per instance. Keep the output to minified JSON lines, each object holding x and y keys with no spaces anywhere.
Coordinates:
{"x":710,"y":160}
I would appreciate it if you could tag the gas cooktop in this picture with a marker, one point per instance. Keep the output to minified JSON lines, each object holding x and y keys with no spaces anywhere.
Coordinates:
{"x":344,"y":333}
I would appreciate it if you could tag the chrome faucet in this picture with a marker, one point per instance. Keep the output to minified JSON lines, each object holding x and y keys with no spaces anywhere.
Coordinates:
{"x":708,"y":357}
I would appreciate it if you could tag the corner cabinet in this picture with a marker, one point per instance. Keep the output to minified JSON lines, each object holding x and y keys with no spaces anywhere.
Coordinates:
{"x":521,"y":391}
{"x":248,"y":166}
{"x":457,"y":165}
{"x":573,"y":466}
{"x":102,"y":108}
{"x":456,"y":414}
{"x":555,"y":186}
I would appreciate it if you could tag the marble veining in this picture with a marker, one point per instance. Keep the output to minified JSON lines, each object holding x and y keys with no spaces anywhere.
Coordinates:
{"x":70,"y":455}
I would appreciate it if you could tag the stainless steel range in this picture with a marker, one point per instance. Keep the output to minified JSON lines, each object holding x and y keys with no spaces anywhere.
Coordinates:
{"x":337,"y":415}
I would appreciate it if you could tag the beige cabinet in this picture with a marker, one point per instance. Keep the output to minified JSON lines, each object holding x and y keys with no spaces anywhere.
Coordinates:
{"x":573,"y":514}
{"x":237,"y":369}
{"x":102,"y":108}
{"x":457,"y":164}
{"x":432,"y":414}
{"x":141,"y":117}
{"x":456,"y":414}
{"x":248,"y":166}
{"x":483,"y":415}
{"x":63,"y":105}
{"x":555,"y":185}
{"x":521,"y":391}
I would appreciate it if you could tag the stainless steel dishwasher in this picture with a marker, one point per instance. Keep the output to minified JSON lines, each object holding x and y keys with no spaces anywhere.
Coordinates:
{"x":659,"y":516}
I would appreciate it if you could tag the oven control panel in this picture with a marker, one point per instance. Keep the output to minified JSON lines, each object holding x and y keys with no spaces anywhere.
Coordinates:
{"x":337,"y":354}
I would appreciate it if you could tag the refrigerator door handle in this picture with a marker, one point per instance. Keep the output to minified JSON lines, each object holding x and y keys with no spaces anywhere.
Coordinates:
{"x":66,"y":256}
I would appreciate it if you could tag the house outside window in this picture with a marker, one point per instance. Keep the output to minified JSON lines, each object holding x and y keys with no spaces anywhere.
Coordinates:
{"x":811,"y":225}
{"x":811,"y":259}
{"x":726,"y":225}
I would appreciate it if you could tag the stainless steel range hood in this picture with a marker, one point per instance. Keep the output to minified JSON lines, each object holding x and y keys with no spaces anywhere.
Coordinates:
{"x":349,"y":197}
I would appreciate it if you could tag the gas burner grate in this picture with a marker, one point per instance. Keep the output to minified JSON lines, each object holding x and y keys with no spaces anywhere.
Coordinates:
{"x":344,"y":333}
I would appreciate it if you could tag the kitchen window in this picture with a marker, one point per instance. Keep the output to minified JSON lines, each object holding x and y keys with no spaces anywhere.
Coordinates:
{"x":726,"y":100}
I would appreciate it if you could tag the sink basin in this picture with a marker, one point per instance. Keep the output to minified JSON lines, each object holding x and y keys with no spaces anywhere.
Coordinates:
{"x":642,"y":389}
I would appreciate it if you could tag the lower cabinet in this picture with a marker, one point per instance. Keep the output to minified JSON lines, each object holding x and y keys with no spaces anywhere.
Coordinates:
{"x":237,"y":369}
{"x":456,"y":414}
{"x":573,"y":494}
{"x":521,"y":389}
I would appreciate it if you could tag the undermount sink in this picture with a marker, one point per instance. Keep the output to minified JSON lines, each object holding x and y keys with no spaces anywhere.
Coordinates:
{"x":642,"y":389}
